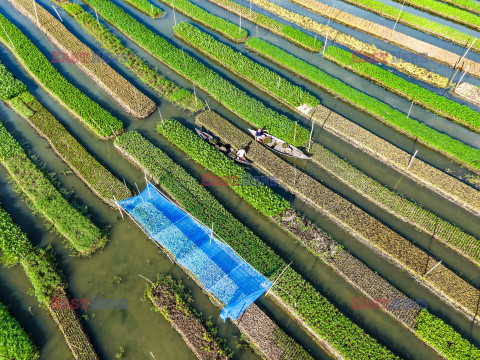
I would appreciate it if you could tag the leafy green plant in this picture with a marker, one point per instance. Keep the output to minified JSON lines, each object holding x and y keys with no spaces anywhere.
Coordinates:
{"x":100,"y":121}
{"x":9,"y":86}
{"x":146,"y":7}
{"x":453,"y":148}
{"x":15,"y":343}
{"x":220,"y":89}
{"x":196,"y":13}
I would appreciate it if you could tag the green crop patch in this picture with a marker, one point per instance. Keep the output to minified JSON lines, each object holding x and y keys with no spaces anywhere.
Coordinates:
{"x":146,"y":7}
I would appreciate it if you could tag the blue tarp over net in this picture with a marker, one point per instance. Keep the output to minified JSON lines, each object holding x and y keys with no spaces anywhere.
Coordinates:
{"x":220,"y":270}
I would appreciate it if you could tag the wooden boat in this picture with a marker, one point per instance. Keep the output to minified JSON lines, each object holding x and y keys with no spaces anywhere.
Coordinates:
{"x":279,"y":146}
{"x":220,"y":146}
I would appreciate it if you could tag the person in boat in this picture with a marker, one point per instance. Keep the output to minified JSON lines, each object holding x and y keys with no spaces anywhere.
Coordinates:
{"x":260,"y":135}
{"x":241,"y":154}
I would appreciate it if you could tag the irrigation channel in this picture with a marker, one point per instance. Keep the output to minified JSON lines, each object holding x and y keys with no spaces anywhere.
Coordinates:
{"x":113,"y":273}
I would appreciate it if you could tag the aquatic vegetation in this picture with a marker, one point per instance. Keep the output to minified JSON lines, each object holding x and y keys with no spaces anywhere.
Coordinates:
{"x":222,"y":90}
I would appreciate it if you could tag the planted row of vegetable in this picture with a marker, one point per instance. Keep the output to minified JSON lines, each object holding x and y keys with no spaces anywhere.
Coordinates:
{"x":149,"y":75}
{"x":97,"y":119}
{"x":222,"y":90}
{"x":98,"y":179}
{"x":359,"y":224}
{"x":224,"y":27}
{"x":48,"y":285}
{"x":119,"y":88}
{"x":326,"y":321}
{"x":470,"y":5}
{"x":144,"y":6}
{"x":44,"y":198}
{"x":423,"y":24}
{"x":288,"y":32}
{"x":455,"y":150}
{"x":354,"y":44}
{"x":14,"y":340}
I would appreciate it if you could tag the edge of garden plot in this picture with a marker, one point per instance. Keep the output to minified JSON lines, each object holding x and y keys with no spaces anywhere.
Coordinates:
{"x":265,"y":26}
{"x":147,"y":106}
{"x":366,"y":111}
{"x":58,"y":100}
{"x":212,"y":298}
{"x":77,"y":172}
{"x":208,"y":26}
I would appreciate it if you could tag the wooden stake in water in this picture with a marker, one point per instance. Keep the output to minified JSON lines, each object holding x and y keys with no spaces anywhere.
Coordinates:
{"x":151,"y":6}
{"x":315,"y":42}
{"x":184,"y":60}
{"x":174,"y":17}
{"x":195,"y":93}
{"x":411,"y":160}
{"x":240,"y":28}
{"x":466,"y":52}
{"x":433,"y":268}
{"x":96,"y":14}
{"x":409,"y":110}
{"x":311,"y":133}
{"x":250,"y":13}
{"x":5,"y":31}
{"x":461,"y":78}
{"x":398,"y":17}
{"x":161,"y":117}
{"x":36,"y":14}
{"x":324,"y":47}
{"x":118,"y":205}
{"x":137,"y":188}
{"x":207,"y":105}
{"x":295,"y":133}
{"x":54,"y":8}
{"x":152,"y":356}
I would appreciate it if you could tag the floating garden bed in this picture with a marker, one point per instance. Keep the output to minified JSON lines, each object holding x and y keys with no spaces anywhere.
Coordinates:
{"x":44,"y":198}
{"x":178,"y":96}
{"x":355,"y":44}
{"x":15,"y":343}
{"x":470,"y":5}
{"x":325,"y":321}
{"x":144,"y":6}
{"x":97,"y":119}
{"x":453,"y":149}
{"x":234,"y":99}
{"x":288,"y":32}
{"x":115,"y":85}
{"x":366,"y":229}
{"x":48,"y":285}
{"x":210,"y":21}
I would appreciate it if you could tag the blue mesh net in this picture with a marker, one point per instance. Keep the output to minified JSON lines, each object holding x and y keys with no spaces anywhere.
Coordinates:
{"x":220,"y":270}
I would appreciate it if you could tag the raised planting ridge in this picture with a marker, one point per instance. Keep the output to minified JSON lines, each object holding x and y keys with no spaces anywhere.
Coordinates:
{"x":360,"y":225}
{"x":455,"y":150}
{"x":128,"y":96}
{"x":98,"y":178}
{"x":92,"y":115}
{"x":337,"y":333}
{"x":178,"y":96}
{"x":288,"y":32}
{"x":43,"y":197}
{"x":351,"y":269}
{"x":226,"y":93}
{"x":224,"y":27}
{"x":48,"y":286}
